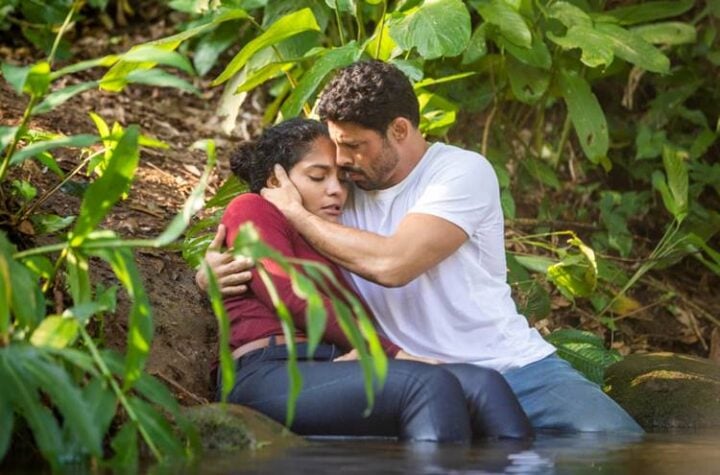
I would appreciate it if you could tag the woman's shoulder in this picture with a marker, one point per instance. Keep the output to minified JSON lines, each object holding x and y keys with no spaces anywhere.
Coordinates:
{"x":252,"y":207}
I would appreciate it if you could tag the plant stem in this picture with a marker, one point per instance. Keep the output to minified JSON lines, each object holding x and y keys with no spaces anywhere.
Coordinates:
{"x":77,"y":4}
{"x":116,"y":389}
{"x":382,"y":28}
{"x":338,"y":20}
{"x":18,"y":133}
{"x":563,"y":139}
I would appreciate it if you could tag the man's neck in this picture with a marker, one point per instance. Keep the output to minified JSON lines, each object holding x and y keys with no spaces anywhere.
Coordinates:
{"x":412,"y":151}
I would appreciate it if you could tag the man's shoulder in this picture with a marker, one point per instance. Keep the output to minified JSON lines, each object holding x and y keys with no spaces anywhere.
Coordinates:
{"x":452,"y":160}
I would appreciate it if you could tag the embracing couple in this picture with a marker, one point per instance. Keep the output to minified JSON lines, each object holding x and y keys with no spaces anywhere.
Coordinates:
{"x":416,"y":229}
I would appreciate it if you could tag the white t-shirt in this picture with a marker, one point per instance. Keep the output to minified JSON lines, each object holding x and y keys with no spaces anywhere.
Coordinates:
{"x":460,"y":310}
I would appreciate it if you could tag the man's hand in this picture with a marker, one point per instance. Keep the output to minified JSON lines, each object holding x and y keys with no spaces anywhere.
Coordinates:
{"x":284,"y":194}
{"x":232,"y":273}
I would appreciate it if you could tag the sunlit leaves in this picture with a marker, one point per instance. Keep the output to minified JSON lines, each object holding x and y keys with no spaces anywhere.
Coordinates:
{"x":508,"y":20}
{"x":649,"y":11}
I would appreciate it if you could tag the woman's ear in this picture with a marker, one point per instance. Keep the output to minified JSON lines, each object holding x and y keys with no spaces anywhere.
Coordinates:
{"x":272,"y":181}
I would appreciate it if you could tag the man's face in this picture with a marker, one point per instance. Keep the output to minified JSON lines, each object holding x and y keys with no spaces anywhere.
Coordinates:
{"x":368,"y":158}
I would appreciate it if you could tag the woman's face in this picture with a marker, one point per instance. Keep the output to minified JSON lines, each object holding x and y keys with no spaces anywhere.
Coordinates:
{"x":317,"y":178}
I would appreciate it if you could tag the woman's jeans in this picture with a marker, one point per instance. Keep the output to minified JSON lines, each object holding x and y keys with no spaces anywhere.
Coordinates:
{"x":417,"y":402}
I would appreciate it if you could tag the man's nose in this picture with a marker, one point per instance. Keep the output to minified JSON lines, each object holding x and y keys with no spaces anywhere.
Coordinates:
{"x":343,"y":159}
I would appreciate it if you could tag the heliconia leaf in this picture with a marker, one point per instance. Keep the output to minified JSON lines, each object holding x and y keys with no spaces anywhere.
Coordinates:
{"x":436,"y":28}
{"x":55,"y":331}
{"x":649,"y":11}
{"x":632,"y":48}
{"x":227,"y":367}
{"x":586,"y":115}
{"x":667,"y":33}
{"x":511,"y":24}
{"x":36,"y":148}
{"x":286,"y":27}
{"x":102,"y":194}
{"x":331,"y":61}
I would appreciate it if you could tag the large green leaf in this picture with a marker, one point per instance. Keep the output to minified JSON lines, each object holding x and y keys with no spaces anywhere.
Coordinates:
{"x":569,"y":15}
{"x":211,"y":46}
{"x":649,"y":11}
{"x":595,"y":47}
{"x":102,"y":194}
{"x":36,"y":148}
{"x":511,"y":24}
{"x":477,"y":47}
{"x":667,"y":33}
{"x":436,"y":28}
{"x":331,"y":61}
{"x":316,"y":316}
{"x":157,"y":55}
{"x":15,"y":76}
{"x":632,"y":48}
{"x":585,"y":351}
{"x":160,"y":78}
{"x":286,"y":27}
{"x":538,"y":55}
{"x":586,"y":115}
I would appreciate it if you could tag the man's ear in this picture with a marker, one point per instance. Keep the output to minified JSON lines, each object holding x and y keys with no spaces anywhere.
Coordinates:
{"x":399,"y":129}
{"x":272,"y":181}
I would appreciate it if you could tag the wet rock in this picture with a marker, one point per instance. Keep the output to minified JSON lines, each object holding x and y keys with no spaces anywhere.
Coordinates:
{"x":233,"y":427}
{"x":667,"y":390}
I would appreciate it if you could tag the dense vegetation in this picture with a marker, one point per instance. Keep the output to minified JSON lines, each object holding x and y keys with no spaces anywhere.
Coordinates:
{"x":593,"y":111}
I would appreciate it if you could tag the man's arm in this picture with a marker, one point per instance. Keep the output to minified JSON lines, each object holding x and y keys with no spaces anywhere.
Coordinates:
{"x":232,"y":273}
{"x":420,"y":242}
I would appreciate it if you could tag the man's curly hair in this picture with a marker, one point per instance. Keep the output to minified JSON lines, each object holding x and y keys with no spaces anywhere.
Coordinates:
{"x":285,"y":143}
{"x":371,"y":94}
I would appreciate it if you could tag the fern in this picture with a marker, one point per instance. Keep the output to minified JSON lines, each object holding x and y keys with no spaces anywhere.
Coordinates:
{"x":585,"y":351}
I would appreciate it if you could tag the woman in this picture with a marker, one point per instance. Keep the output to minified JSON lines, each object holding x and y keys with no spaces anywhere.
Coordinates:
{"x":418,"y":401}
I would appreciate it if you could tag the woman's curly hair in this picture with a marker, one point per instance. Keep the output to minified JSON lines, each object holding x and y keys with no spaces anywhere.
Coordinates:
{"x":286,"y":143}
{"x":371,"y":94}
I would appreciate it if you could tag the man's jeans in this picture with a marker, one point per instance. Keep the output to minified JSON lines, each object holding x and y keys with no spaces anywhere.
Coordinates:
{"x":556,"y":397}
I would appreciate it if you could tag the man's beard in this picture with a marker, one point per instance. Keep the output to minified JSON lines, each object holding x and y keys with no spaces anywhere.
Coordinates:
{"x":381,"y":168}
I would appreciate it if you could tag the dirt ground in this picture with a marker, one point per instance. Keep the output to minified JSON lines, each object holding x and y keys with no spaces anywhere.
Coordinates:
{"x":184,"y":347}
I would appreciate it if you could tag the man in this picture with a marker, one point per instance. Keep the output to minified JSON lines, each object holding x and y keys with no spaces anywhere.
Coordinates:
{"x":423,"y":239}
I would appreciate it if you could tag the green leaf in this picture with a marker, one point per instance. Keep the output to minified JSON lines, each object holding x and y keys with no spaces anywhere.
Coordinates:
{"x":528,"y":83}
{"x":67,"y":397}
{"x":511,"y":24}
{"x":23,"y":190}
{"x":227,"y":366}
{"x":55,"y":331}
{"x":477,"y":47}
{"x":315,"y":316}
{"x":140,"y":324}
{"x":105,"y":61}
{"x":538,"y":264}
{"x":267,"y":72}
{"x":195,"y":201}
{"x":78,"y":277}
{"x":586,"y":115}
{"x":38,"y":79}
{"x":343,"y":6}
{"x":632,"y":48}
{"x":667,"y":33}
{"x":102,"y":194}
{"x":15,"y":76}
{"x":211,"y":46}
{"x":125,"y":447}
{"x":7,"y":134}
{"x":596,"y":49}
{"x":569,"y":15}
{"x":61,"y":96}
{"x":677,"y":175}
{"x":26,"y":299}
{"x":576,"y":274}
{"x":649,"y":11}
{"x":36,"y":148}
{"x":436,"y":28}
{"x":101,"y":402}
{"x":585,"y":351}
{"x":7,"y":422}
{"x":331,"y":61}
{"x":153,"y":54}
{"x":160,"y":78}
{"x":157,"y":428}
{"x":286,"y":27}
{"x":41,"y":266}
{"x":538,"y":55}
{"x":50,"y":223}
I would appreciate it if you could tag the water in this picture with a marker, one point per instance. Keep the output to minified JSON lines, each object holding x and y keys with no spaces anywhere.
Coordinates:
{"x":688,"y":453}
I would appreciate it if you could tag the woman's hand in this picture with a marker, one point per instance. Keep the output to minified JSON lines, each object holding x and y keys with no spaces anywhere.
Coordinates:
{"x":353,"y":355}
{"x":232,"y":273}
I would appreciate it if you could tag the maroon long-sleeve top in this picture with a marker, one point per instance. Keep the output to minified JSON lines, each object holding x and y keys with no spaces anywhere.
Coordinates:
{"x":252,"y":315}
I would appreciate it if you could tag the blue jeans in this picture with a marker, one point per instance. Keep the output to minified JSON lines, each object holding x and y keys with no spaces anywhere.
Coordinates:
{"x":556,"y":397}
{"x":418,"y":401}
